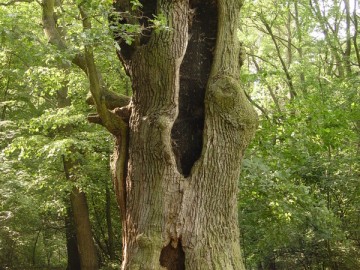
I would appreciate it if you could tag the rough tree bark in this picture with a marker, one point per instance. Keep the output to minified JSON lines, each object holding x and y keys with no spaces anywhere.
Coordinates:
{"x":176,"y":167}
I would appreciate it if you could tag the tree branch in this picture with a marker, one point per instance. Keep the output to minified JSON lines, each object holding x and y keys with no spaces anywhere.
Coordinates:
{"x":280,"y":39}
{"x":285,"y":69}
{"x":323,"y":25}
{"x":272,"y":94}
{"x":112,"y":100}
{"x":101,"y":97}
{"x":95,"y":119}
{"x":11,"y":2}
{"x":257,"y":106}
{"x":110,"y":120}
{"x":262,"y":59}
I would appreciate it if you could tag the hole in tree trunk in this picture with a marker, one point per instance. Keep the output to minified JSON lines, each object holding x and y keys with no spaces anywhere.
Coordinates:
{"x":173,"y":258}
{"x":187,"y":132}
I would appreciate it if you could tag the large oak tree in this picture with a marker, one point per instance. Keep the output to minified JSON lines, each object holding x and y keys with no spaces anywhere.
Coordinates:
{"x":181,"y":138}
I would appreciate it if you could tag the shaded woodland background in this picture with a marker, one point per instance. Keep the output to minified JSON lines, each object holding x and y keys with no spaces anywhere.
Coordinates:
{"x":299,"y":192}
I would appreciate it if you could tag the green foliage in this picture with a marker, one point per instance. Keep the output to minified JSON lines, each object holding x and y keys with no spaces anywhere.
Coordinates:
{"x":160,"y":23}
{"x":300,"y":183}
{"x":136,"y":4}
{"x":37,"y":135}
{"x":299,"y":196}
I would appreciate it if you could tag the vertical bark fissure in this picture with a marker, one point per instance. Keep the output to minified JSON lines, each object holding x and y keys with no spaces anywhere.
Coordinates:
{"x":118,"y":163}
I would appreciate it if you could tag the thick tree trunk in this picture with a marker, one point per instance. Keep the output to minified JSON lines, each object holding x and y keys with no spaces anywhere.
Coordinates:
{"x":189,"y":126}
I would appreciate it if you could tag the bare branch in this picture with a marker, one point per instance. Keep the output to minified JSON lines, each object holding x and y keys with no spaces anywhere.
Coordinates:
{"x":272,"y":94}
{"x":285,"y":69}
{"x":262,"y":59}
{"x":257,"y":106}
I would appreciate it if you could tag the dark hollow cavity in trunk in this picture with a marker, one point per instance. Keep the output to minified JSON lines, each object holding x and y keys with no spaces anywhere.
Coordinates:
{"x":187,"y":132}
{"x":173,"y":258}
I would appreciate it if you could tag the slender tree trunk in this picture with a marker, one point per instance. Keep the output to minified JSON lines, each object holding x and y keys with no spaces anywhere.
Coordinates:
{"x":356,"y":33}
{"x":347,"y":51}
{"x":289,"y":81}
{"x":271,"y":91}
{"x":34,"y":248}
{"x":189,"y":126}
{"x":85,"y":243}
{"x":334,"y":49}
{"x":86,"y":246}
{"x":84,"y":238}
{"x":299,"y":35}
{"x":6,"y":91}
{"x":73,"y":257}
{"x":289,"y":38}
{"x":110,"y":232}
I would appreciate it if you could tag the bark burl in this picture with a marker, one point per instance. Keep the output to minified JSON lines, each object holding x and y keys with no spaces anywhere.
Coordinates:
{"x":189,"y":124}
